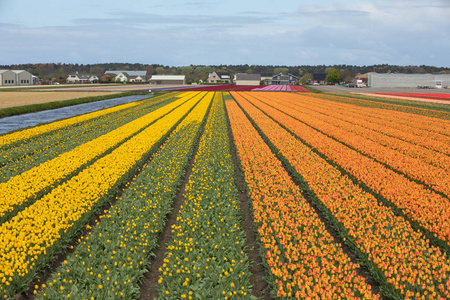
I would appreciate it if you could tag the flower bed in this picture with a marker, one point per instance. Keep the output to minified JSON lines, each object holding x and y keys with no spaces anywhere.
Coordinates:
{"x":300,"y":254}
{"x":206,"y":258}
{"x":400,"y":258}
{"x":283,"y":88}
{"x":35,"y":234}
{"x":112,"y":258}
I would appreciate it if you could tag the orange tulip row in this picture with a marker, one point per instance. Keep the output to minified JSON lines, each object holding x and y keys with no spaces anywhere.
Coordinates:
{"x":301,"y":254}
{"x":405,"y":111}
{"x":385,"y":133}
{"x":416,"y":129}
{"x":412,"y":268}
{"x":430,"y":210}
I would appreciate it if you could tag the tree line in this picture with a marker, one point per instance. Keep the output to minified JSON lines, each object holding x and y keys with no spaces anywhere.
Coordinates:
{"x":196,"y":73}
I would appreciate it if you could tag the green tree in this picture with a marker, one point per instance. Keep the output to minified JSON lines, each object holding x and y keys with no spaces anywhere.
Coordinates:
{"x":285,"y":71}
{"x":306,"y":77}
{"x":149,"y":70}
{"x":160,"y":70}
{"x":96,"y":70}
{"x":333,"y":76}
{"x":187,"y":70}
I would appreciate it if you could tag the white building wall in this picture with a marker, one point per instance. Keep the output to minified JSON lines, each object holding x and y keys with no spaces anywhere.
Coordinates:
{"x":407,"y":80}
{"x":121,"y":77}
{"x":8,"y":78}
{"x":168,"y":79}
{"x":248,"y":82}
{"x":16,"y":78}
{"x":24,"y":78}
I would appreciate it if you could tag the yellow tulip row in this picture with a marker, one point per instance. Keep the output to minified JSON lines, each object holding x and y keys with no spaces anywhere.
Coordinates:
{"x":27,"y":153}
{"x":429,"y":209}
{"x":28,"y":184}
{"x":301,"y":254}
{"x":28,"y":133}
{"x":119,"y":246}
{"x":30,"y":235}
{"x":208,"y":243}
{"x":412,"y":268}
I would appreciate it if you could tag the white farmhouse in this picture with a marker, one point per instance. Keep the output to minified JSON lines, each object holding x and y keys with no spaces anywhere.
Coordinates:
{"x":82,"y":78}
{"x":219,"y":77}
{"x":129,"y":76}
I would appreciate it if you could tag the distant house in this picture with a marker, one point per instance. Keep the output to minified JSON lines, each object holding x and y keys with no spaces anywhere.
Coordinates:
{"x":248,"y":79}
{"x":319,"y":78}
{"x":135,"y":78}
{"x":107,"y":77}
{"x":129,"y":76}
{"x":219,"y":77}
{"x":17,"y":78}
{"x":82,"y":78}
{"x":168,"y":79}
{"x":281,"y":79}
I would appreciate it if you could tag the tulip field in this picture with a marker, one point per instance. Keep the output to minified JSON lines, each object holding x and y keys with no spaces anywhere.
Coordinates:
{"x":349,"y":199}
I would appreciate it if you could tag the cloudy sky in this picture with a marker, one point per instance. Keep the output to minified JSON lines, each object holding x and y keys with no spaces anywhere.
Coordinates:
{"x":263,"y":32}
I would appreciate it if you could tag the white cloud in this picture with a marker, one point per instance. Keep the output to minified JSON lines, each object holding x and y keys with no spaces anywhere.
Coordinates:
{"x":349,"y":32}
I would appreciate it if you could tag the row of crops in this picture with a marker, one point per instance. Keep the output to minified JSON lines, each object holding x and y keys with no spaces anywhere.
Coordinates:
{"x":348,"y":200}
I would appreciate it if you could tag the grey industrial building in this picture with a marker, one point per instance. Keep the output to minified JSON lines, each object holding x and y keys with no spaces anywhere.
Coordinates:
{"x":408,"y":80}
{"x":16,"y":77}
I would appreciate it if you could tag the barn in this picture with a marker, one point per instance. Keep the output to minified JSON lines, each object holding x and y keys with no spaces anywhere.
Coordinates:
{"x":16,"y":77}
{"x":248,"y":79}
{"x":168,"y":79}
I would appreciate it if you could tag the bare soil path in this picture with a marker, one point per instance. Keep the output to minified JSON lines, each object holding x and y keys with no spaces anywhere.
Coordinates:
{"x":15,"y":99}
